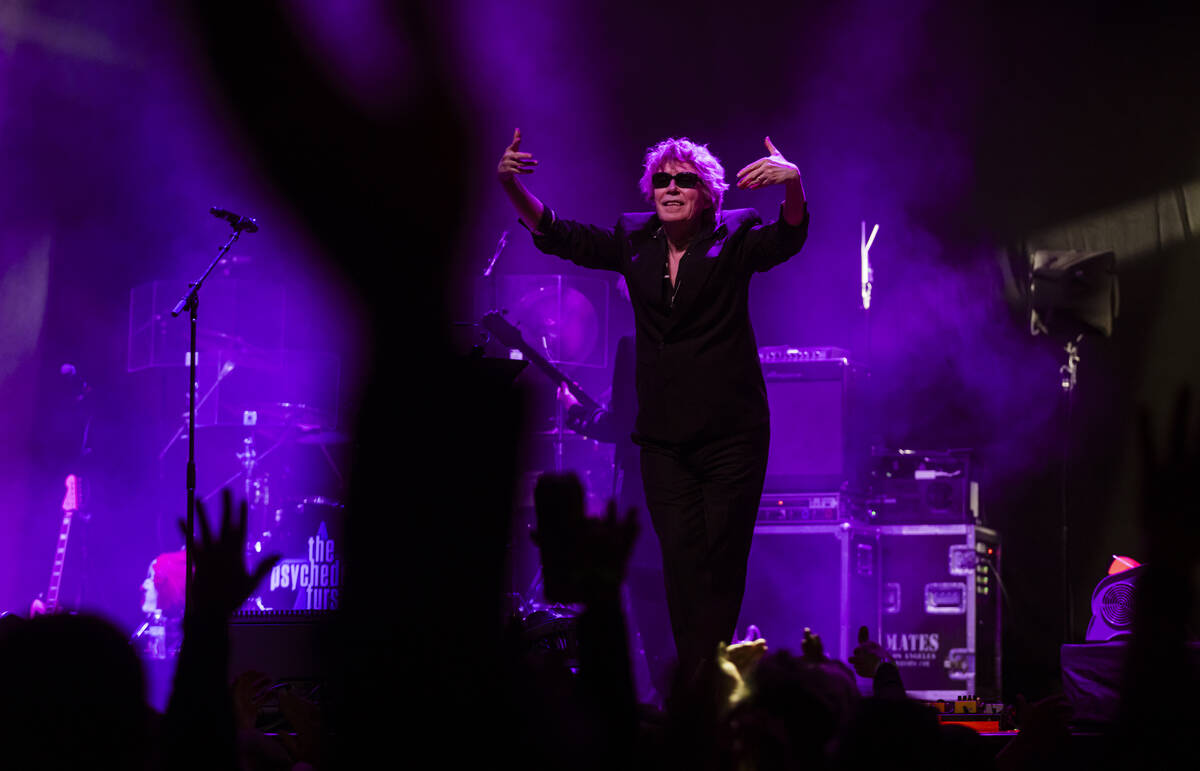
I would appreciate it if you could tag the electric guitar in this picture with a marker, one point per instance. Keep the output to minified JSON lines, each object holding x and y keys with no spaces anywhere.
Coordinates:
{"x":510,"y":336}
{"x":70,"y":505}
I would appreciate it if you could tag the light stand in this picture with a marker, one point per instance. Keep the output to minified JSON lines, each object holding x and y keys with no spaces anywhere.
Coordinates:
{"x":191,"y":302}
{"x":1070,"y":294}
{"x":1069,"y":379}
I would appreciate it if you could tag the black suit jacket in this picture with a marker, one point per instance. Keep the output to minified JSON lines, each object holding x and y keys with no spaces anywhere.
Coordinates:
{"x":698,"y":374}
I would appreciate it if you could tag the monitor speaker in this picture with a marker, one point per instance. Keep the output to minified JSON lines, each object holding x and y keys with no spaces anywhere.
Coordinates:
{"x":1112,"y":606}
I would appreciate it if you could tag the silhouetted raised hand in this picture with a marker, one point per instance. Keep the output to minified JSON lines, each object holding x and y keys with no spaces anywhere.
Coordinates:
{"x":1160,"y":665}
{"x":200,"y":727}
{"x":812,"y":647}
{"x":250,"y":690}
{"x":307,"y":746}
{"x":583,"y":558}
{"x":1044,"y":733}
{"x":1171,"y":514}
{"x":220,"y":583}
{"x":868,"y":654}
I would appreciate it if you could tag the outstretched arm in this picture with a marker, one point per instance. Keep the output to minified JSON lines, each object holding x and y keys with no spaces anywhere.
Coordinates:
{"x":584,"y":245}
{"x":514,"y":163}
{"x":774,"y":169}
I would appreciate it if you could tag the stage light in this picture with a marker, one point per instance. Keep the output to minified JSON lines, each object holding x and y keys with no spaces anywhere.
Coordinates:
{"x":1112,"y":606}
{"x":1121,"y":564}
{"x":1072,"y":293}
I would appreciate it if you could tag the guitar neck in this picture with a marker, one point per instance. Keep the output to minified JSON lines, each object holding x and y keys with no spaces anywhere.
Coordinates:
{"x":513,"y":338}
{"x":60,"y":558}
{"x":70,"y":505}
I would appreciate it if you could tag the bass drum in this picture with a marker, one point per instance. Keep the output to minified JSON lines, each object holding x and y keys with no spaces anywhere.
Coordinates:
{"x":308,"y":537}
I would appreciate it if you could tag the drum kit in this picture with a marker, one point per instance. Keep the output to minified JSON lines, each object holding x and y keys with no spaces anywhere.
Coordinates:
{"x":304,"y":529}
{"x":282,"y":454}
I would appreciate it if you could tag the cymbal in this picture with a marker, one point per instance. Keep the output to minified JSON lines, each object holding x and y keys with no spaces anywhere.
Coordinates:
{"x":235,"y":350}
{"x":320,"y":436}
{"x":275,"y":433}
{"x":296,"y":414}
{"x":208,"y":339}
{"x":558,"y":321}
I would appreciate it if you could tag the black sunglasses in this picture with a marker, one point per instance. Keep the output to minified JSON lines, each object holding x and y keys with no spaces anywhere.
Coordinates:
{"x":662,"y":179}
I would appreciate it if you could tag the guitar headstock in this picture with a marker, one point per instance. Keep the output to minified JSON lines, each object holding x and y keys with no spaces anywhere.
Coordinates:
{"x":71,"y":498}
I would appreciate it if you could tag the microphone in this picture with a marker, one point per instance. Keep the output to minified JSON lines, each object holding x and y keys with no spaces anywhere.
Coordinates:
{"x":68,"y":371}
{"x":236,"y":220}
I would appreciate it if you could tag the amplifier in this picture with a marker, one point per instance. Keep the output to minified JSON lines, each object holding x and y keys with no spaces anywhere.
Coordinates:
{"x":285,"y":645}
{"x":807,"y":507}
{"x":920,"y":487}
{"x":785,"y":354}
{"x":817,"y":418}
{"x":294,"y":646}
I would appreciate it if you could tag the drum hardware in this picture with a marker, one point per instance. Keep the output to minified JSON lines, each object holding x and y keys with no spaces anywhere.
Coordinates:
{"x":294,"y":414}
{"x":287,"y":423}
{"x":182,"y":431}
{"x":307,"y":535}
{"x":319,"y":435}
{"x":528,"y":604}
{"x":248,"y":458}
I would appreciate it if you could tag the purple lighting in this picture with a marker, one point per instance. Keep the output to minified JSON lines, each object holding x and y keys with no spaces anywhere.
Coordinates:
{"x":803,"y":368}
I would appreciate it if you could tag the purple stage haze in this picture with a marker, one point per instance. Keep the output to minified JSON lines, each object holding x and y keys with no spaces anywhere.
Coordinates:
{"x":970,"y":135}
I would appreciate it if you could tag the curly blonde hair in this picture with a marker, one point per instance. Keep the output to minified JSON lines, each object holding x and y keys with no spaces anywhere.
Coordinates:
{"x":684,"y":150}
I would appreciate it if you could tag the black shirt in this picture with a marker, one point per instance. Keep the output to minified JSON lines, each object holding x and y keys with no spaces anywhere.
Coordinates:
{"x":698,"y":374}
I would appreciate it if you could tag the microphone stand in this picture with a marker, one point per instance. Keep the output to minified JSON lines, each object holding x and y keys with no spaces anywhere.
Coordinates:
{"x":489,"y":275}
{"x":191,"y":302}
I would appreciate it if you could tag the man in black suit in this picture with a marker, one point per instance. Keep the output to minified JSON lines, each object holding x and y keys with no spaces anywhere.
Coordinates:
{"x":702,"y":422}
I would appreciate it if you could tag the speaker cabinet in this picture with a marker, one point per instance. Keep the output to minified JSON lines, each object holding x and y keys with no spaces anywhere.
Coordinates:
{"x":818,"y":437}
{"x":285,"y":645}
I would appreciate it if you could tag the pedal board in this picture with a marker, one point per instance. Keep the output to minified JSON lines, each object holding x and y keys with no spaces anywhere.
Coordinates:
{"x":972,"y":712}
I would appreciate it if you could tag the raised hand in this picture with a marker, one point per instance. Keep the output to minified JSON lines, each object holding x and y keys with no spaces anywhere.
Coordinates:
{"x":513,"y":161}
{"x":746,"y":654}
{"x":305,"y":717}
{"x":812,"y":647}
{"x":583,"y":558}
{"x":773,"y":169}
{"x":734,"y":663}
{"x":868,"y":655}
{"x":221,"y":583}
{"x":1170,"y":515}
{"x":250,"y":690}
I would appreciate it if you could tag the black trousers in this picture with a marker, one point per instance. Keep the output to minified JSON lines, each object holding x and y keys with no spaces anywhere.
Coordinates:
{"x":703,"y":500}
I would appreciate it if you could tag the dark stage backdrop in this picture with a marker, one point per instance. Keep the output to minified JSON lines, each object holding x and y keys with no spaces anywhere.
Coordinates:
{"x":971,"y":134}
